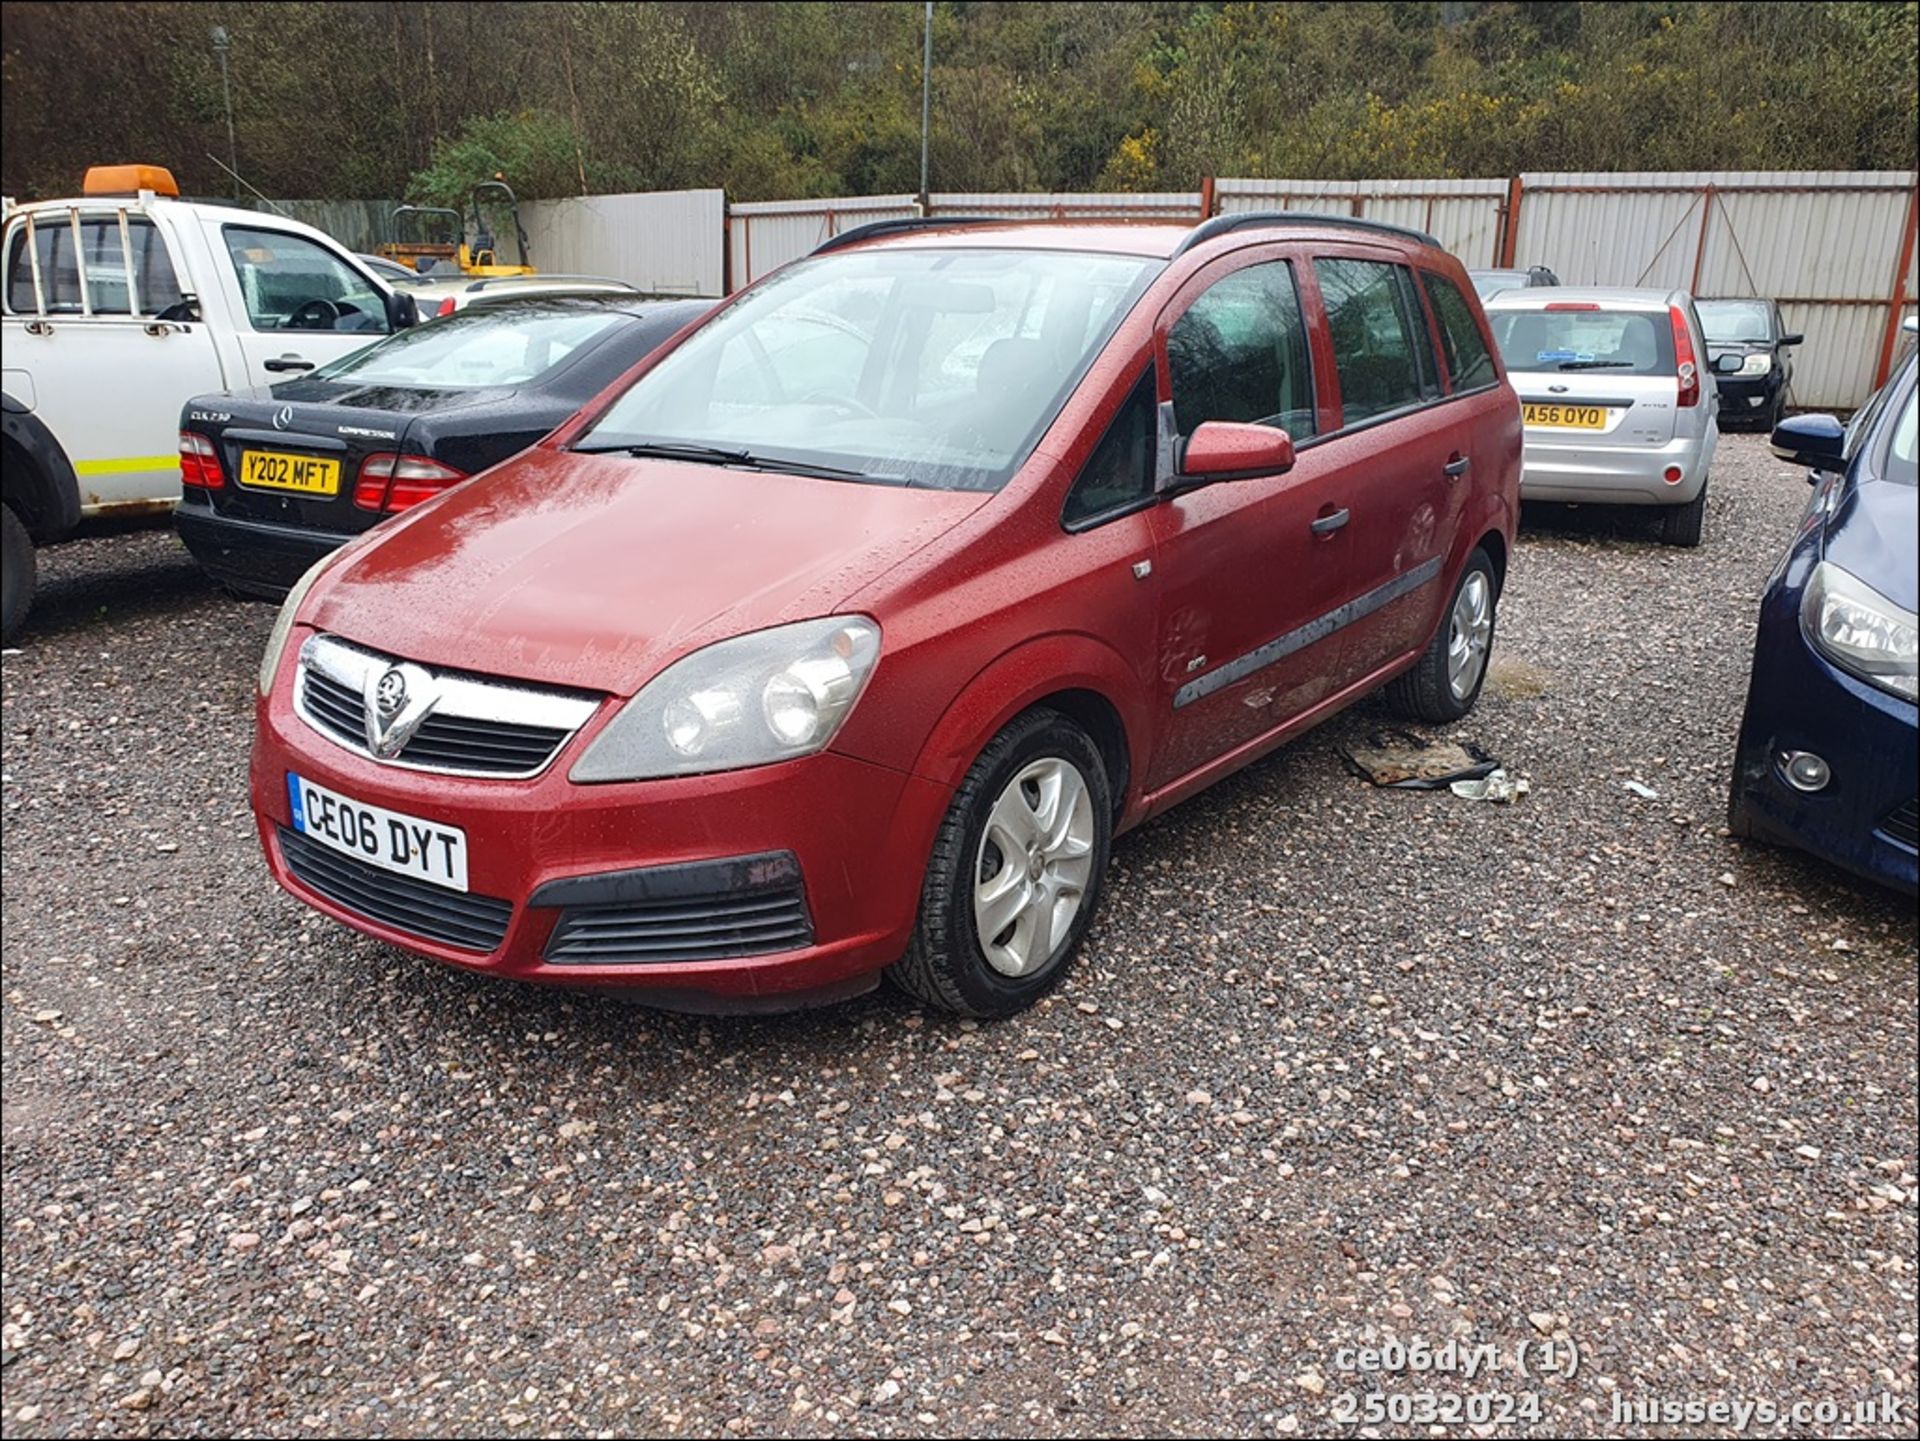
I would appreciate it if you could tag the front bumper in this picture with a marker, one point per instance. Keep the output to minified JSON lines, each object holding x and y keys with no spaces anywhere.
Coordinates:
{"x":1748,"y":398}
{"x":851,"y":837}
{"x":250,"y":556}
{"x":1799,"y":701}
{"x":1592,"y":472}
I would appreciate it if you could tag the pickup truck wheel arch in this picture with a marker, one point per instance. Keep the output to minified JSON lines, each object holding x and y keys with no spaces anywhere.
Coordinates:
{"x":37,"y":481}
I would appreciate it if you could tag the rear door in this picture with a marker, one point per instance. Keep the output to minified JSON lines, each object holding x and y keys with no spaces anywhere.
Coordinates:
{"x":99,"y":345}
{"x":1245,"y":576}
{"x":297,"y":303}
{"x":1394,"y":448}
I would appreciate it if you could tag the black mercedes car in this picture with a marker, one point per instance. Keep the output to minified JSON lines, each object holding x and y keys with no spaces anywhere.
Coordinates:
{"x":275,"y":478}
{"x":1750,"y":352}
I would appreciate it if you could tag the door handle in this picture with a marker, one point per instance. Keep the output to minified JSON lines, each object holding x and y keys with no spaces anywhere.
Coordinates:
{"x":1457,"y":467}
{"x":1332,"y":521}
{"x":287,"y":362}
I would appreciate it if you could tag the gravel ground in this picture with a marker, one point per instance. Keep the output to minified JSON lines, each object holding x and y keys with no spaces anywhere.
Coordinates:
{"x":1338,"y":1066}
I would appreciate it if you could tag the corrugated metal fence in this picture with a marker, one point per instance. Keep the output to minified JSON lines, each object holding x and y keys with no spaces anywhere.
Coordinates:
{"x":1837,"y":248}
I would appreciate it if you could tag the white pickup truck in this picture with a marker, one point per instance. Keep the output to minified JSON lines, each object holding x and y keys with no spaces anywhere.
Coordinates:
{"x":122,"y":304}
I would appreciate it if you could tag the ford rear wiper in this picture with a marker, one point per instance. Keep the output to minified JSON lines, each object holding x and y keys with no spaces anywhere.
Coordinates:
{"x":1596,"y":365}
{"x":720,"y":455}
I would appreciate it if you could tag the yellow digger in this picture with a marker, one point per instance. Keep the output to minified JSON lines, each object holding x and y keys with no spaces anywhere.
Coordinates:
{"x":430,"y":238}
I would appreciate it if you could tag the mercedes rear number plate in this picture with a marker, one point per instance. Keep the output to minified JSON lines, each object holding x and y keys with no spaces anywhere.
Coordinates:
{"x":275,"y":470}
{"x":1566,"y":417}
{"x":394,"y":841}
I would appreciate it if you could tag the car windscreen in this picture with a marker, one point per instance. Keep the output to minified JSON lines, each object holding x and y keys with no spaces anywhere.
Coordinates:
{"x":1491,"y":282}
{"x":1729,"y":322}
{"x":1618,"y":342}
{"x":1903,"y":444}
{"x":937,"y":368}
{"x":499,"y":345}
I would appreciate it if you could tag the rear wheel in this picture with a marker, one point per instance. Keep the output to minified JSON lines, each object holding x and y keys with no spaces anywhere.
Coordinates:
{"x":1446,"y":681}
{"x":1683,"y":524}
{"x":1015,"y":872}
{"x":16,"y":574}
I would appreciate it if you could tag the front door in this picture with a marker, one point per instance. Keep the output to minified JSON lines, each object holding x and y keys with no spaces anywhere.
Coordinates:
{"x":297,"y":304}
{"x":1247,"y":569}
{"x":103,"y":348}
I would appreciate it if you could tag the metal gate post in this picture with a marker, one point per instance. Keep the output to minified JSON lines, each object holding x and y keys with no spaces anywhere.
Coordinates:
{"x":1510,"y":234}
{"x":1899,"y":302}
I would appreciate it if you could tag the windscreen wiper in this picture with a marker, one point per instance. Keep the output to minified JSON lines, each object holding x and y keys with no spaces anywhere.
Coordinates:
{"x":747,"y":460}
{"x":1596,"y":365}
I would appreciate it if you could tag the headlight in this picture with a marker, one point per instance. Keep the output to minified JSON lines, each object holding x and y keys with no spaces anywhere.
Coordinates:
{"x":283,"y":623}
{"x":1861,"y":631}
{"x":1759,"y":363}
{"x":759,"y":698}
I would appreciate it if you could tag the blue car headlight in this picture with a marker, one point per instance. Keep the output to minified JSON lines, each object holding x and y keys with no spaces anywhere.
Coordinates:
{"x":1861,"y":631}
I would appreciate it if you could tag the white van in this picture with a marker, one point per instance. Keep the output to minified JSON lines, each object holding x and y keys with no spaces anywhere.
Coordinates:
{"x":120,"y":305}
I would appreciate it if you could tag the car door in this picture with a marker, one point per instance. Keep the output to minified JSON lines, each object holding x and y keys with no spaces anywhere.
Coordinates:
{"x":297,"y":303}
{"x":102,"y":348}
{"x":1398,"y":464}
{"x":1247,"y":569}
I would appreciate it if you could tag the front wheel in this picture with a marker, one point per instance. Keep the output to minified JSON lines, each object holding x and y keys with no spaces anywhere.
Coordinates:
{"x":16,"y":574}
{"x":1015,"y":872}
{"x":1445,"y":682}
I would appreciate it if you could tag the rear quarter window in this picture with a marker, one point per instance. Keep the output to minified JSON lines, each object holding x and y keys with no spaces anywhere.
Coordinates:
{"x":1617,"y":342}
{"x":1469,"y":362}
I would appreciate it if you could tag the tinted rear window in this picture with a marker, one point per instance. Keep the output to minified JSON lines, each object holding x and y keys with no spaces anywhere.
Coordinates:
{"x":501,"y":345}
{"x":1606,"y":342}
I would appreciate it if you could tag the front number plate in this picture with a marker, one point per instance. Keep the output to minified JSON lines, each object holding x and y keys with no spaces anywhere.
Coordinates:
{"x":275,"y":470}
{"x":1566,"y":417}
{"x":394,"y":841}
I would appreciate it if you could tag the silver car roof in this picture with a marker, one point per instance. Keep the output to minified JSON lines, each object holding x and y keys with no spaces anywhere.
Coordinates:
{"x":1607,"y":297}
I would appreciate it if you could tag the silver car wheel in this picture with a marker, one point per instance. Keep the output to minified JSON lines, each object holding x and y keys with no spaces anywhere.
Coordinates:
{"x":1470,"y":634}
{"x":1035,"y":861}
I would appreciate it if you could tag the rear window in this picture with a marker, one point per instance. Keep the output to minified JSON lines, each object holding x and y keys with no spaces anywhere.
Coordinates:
{"x":474,"y":348}
{"x":1620,"y":342}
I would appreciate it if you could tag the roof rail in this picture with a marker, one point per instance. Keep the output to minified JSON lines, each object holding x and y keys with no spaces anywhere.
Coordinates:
{"x":876,"y":228}
{"x":1225,"y":224}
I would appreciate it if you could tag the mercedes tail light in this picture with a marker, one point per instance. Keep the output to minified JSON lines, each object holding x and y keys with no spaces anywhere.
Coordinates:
{"x":199,"y":462}
{"x":1684,"y":360}
{"x":390,"y":483}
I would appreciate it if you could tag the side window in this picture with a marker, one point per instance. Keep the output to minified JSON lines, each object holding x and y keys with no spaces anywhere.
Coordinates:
{"x":1375,"y":339}
{"x":1240,"y":353}
{"x":1468,"y":360}
{"x":1423,"y":353}
{"x":1120,"y":470}
{"x":105,"y":259}
{"x":289,"y":283}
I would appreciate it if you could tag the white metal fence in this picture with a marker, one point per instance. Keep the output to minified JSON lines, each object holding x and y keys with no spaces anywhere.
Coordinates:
{"x":667,"y":242}
{"x":1836,"y":248}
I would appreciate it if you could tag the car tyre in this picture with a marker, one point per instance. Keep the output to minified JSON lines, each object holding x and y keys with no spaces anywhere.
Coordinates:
{"x":1045,"y":769}
{"x":1445,"y":682}
{"x":16,"y":574}
{"x":1682,"y":524}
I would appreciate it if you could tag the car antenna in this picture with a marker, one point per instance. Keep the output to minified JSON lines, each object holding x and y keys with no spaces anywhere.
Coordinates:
{"x":270,"y":204}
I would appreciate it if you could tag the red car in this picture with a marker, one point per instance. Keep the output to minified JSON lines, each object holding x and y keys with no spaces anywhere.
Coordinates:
{"x":842,"y":636}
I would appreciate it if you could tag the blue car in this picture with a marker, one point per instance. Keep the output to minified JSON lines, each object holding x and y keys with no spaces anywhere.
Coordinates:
{"x":1827,"y":749}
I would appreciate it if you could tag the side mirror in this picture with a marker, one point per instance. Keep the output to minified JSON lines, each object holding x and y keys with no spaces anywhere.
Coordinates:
{"x":1793,"y":339}
{"x":1729,"y":363}
{"x":1229,"y":450}
{"x":402,"y":310}
{"x":1815,"y":441}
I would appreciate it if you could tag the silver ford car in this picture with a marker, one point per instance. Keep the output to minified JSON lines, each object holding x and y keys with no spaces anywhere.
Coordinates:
{"x":1618,"y":406}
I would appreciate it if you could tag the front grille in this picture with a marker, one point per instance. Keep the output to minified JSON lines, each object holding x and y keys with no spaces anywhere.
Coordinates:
{"x":683,"y":928}
{"x":473,"y":923}
{"x":477,"y":727}
{"x":1904,"y":824}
